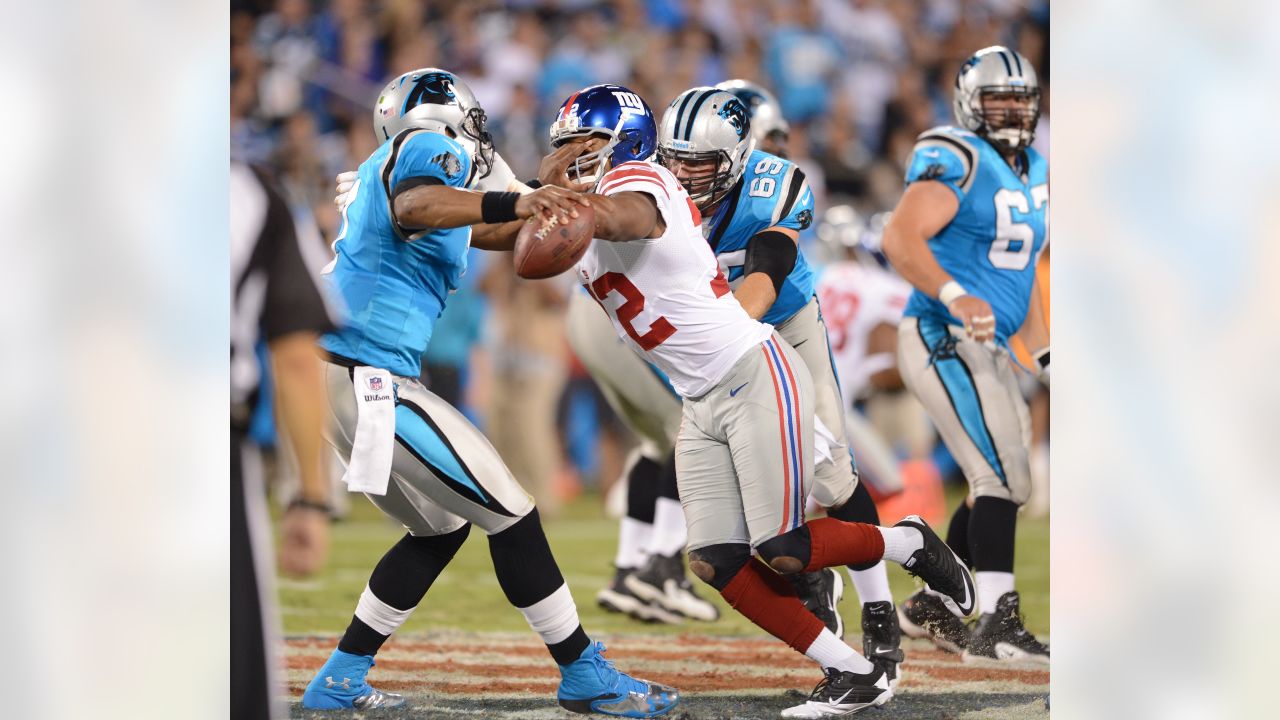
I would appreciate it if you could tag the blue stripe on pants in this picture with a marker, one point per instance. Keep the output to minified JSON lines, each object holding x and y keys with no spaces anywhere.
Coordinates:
{"x":424,"y":441}
{"x":958,"y":383}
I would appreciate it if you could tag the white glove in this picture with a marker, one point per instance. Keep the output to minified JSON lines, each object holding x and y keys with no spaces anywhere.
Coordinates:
{"x":500,"y":177}
{"x":345,"y":181}
{"x":1042,"y":365}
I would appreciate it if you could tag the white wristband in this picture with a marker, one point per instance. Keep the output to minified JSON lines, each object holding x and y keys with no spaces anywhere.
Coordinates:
{"x":950,"y":291}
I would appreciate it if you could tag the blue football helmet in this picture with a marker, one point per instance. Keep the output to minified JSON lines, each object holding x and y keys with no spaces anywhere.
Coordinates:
{"x":614,"y":112}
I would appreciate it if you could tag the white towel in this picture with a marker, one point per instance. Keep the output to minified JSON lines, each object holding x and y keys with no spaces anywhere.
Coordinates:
{"x":374,"y":446}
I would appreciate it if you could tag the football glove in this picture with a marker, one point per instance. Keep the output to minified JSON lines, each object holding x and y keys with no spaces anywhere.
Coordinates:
{"x":345,"y":181}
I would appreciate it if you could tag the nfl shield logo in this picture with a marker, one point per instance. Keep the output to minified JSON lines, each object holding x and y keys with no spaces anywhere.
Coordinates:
{"x":375,"y":383}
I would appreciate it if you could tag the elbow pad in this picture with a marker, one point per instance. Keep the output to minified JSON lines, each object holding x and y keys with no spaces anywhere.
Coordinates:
{"x":772,"y":253}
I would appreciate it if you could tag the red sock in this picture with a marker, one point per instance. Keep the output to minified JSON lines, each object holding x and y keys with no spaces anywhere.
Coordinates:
{"x":769,"y":601}
{"x":835,"y":542}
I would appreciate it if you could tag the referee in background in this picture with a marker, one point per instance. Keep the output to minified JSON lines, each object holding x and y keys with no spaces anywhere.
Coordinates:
{"x":274,"y":297}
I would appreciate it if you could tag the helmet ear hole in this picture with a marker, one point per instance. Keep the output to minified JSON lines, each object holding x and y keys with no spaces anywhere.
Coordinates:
{"x":449,"y":131}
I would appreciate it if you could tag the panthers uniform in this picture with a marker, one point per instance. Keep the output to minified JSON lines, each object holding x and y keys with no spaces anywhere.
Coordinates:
{"x":990,"y":248}
{"x":774,"y":192}
{"x":394,"y":284}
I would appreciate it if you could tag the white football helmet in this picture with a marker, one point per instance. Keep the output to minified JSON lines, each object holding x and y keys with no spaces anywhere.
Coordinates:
{"x":436,"y":100}
{"x":997,"y":70}
{"x":706,"y":125}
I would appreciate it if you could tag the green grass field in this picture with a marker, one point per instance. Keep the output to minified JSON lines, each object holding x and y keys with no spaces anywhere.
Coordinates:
{"x":467,"y":597}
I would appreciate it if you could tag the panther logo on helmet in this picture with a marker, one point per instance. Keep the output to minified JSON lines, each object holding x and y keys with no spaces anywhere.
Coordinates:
{"x":735,"y":113}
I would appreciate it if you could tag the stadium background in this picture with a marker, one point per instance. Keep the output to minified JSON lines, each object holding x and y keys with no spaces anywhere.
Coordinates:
{"x":857,"y":80}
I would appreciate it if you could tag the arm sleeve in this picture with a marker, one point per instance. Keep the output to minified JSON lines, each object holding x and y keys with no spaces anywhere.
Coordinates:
{"x":945,"y":158}
{"x":294,"y":301}
{"x":419,"y":157}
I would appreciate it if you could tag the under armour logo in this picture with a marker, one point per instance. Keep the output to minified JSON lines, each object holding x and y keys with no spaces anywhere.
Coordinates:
{"x":345,"y":684}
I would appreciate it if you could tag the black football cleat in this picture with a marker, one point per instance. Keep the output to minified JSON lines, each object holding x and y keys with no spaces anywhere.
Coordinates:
{"x":1001,"y":636}
{"x":843,"y":693}
{"x":820,"y":591}
{"x":925,"y":616}
{"x":941,"y":569}
{"x":882,"y":638}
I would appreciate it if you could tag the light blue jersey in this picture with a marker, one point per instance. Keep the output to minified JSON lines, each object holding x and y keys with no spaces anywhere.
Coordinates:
{"x":393,"y":281}
{"x":992,"y":244}
{"x":772,"y":192}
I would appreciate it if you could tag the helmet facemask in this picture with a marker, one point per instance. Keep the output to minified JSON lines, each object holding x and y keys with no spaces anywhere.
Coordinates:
{"x":589,"y":167}
{"x":709,"y":187}
{"x":1012,"y":127}
{"x":472,"y":128}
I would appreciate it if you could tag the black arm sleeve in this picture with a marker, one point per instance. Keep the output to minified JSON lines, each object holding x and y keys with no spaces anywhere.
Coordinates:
{"x":293,"y":301}
{"x":772,"y":253}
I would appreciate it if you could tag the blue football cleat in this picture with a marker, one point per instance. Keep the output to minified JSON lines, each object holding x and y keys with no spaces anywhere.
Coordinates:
{"x":592,"y":684}
{"x":340,"y":685}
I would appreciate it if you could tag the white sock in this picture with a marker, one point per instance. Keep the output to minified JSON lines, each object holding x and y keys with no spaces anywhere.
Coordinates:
{"x":379,"y":615}
{"x":633,"y":536}
{"x":554,"y":617}
{"x":669,"y":533}
{"x":830,"y":651}
{"x":901,"y":542}
{"x":991,"y":585}
{"x":872,"y":584}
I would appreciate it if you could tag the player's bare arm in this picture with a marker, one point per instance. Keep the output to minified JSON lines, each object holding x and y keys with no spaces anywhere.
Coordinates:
{"x":300,"y":395}
{"x":924,"y":210}
{"x":441,"y":207}
{"x":771,"y":255}
{"x":882,"y":342}
{"x":627,"y":216}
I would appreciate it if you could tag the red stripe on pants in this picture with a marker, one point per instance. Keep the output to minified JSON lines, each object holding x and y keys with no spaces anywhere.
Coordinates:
{"x":782,"y":433}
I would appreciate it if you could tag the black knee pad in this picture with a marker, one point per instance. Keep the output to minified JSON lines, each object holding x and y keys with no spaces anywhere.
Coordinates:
{"x":716,"y":565}
{"x":787,"y":553}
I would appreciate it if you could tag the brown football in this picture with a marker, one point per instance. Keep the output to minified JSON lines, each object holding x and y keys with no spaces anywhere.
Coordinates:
{"x":544,"y":249}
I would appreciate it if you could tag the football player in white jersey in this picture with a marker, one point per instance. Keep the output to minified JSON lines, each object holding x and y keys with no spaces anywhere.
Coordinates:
{"x":649,"y":582}
{"x":745,"y":449}
{"x":754,"y":206}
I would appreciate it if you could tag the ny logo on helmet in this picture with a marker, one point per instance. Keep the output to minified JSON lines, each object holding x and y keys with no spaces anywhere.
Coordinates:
{"x":629,"y":103}
{"x":736,"y":113}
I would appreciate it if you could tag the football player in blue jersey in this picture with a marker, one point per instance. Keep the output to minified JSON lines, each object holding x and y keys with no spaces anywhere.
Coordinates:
{"x":753,"y":207}
{"x":406,"y":227}
{"x":966,"y":234}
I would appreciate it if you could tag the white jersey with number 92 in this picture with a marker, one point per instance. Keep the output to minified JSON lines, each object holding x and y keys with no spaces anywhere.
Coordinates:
{"x":666,"y":296}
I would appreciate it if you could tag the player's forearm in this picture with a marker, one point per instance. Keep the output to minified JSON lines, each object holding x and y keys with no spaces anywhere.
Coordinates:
{"x":911,"y":257}
{"x":499,"y":237}
{"x":625,"y":217}
{"x":300,"y":397}
{"x":756,"y":294}
{"x":438,"y":207}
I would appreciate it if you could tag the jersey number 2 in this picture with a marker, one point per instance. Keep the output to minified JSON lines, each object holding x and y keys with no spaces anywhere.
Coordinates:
{"x":1012,"y":247}
{"x":659,"y":330}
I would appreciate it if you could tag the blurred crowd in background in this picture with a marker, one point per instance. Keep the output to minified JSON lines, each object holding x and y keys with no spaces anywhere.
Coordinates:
{"x":857,"y":79}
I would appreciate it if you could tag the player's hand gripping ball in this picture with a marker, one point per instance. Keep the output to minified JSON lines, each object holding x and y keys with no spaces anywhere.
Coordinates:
{"x":547,"y":247}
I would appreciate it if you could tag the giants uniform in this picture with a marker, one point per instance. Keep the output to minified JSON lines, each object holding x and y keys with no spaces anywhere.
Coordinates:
{"x":774,"y":192}
{"x":744,"y":452}
{"x":990,"y":248}
{"x":394,"y":284}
